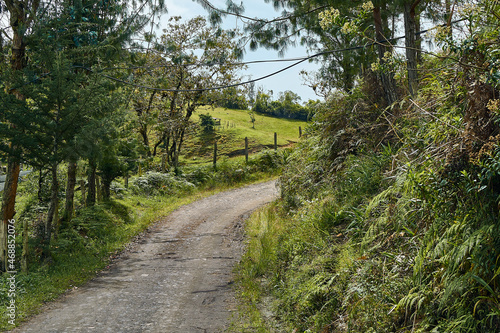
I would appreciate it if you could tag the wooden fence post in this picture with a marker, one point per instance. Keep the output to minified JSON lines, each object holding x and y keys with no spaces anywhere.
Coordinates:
{"x":246,"y":149}
{"x":275,"y":141}
{"x":300,"y":131}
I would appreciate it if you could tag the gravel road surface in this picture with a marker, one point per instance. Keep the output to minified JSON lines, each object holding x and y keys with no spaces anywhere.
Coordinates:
{"x":177,"y":278}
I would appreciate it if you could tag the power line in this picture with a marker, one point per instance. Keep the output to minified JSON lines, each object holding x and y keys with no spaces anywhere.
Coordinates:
{"x":250,"y":62}
{"x":230,"y":85}
{"x":298,"y":61}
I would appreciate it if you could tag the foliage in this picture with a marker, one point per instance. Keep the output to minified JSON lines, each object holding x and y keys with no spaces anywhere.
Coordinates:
{"x":98,"y":233}
{"x":188,"y":58}
{"x":287,"y":106}
{"x":207,"y":123}
{"x":229,"y":172}
{"x":389,"y":217}
{"x":155,"y":183}
{"x":233,"y":98}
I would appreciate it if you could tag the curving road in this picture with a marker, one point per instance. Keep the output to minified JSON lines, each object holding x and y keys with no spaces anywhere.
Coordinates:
{"x":176,"y":279}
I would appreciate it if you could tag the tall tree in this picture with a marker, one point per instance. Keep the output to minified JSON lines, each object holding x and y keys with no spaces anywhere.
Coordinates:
{"x":298,"y":23}
{"x":86,"y":33}
{"x":411,"y":46}
{"x":190,"y":59}
{"x":22,"y":14}
{"x":383,"y":46}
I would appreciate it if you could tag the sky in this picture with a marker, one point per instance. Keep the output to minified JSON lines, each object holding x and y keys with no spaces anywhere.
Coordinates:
{"x":287,"y":80}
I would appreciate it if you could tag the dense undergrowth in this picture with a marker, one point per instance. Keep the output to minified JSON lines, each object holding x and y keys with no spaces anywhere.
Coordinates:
{"x":98,"y":233}
{"x":389,"y":217}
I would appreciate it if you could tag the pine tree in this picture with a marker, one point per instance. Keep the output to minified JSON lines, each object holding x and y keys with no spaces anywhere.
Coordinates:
{"x":79,"y":35}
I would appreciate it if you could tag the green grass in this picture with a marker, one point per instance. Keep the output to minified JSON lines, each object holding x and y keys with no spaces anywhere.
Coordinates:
{"x":237,"y":123}
{"x":235,"y":126}
{"x":262,"y":230}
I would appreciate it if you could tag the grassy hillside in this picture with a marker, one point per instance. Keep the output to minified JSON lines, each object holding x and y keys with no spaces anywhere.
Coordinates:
{"x":230,"y":135}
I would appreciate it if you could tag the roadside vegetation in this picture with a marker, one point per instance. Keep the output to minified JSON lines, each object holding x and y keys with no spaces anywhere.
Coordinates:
{"x":98,"y":233}
{"x":388,"y":219}
{"x":389,"y":213}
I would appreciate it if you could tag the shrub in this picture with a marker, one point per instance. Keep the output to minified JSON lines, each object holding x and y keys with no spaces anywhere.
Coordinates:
{"x":207,"y":123}
{"x":156,"y":183}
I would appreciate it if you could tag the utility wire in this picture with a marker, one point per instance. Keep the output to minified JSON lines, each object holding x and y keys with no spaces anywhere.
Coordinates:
{"x":298,"y":61}
{"x":251,"y":62}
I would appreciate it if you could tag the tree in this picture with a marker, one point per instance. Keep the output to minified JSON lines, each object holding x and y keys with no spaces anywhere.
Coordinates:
{"x":299,"y":22}
{"x":252,"y":118}
{"x":207,"y":123}
{"x":287,"y":106}
{"x":262,"y":102}
{"x":190,"y":59}
{"x":233,"y":98}
{"x":412,"y":48}
{"x":117,"y":151}
{"x":46,"y":125}
{"x":22,"y":14}
{"x":84,"y":34}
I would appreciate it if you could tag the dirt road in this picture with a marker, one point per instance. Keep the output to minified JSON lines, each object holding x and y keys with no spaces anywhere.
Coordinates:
{"x":175,"y":279}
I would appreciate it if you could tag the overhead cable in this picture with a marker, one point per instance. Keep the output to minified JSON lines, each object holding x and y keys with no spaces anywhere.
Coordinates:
{"x":299,"y":61}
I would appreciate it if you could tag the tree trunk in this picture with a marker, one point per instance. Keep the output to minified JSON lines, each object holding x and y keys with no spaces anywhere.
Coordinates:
{"x":8,"y":207}
{"x":41,"y":176}
{"x":18,"y":22}
{"x":411,"y":45}
{"x":172,"y":152}
{"x":70,"y":193}
{"x":164,"y":162}
{"x":106,"y":189}
{"x":181,"y":140}
{"x":145,"y":140}
{"x":25,"y":254}
{"x":98,"y":188}
{"x":387,"y":79}
{"x":449,"y":17}
{"x":418,"y":39}
{"x":2,"y":56}
{"x":158,"y":143}
{"x":91,"y":195}
{"x":54,"y":189}
{"x":167,"y":149}
{"x":84,"y":196}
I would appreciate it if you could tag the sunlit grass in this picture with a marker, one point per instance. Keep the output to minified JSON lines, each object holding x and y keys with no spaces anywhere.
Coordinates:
{"x":238,"y":124}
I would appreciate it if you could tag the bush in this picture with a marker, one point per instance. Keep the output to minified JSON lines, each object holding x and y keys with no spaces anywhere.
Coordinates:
{"x":156,"y":183}
{"x":207,"y":123}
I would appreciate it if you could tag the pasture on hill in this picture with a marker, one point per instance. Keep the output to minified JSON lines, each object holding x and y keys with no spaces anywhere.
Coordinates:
{"x":234,"y":126}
